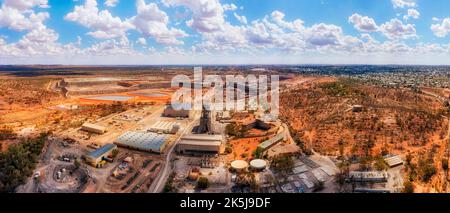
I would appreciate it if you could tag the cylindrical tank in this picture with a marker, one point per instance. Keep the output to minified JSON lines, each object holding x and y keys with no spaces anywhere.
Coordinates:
{"x":258,"y":164}
{"x":239,"y":165}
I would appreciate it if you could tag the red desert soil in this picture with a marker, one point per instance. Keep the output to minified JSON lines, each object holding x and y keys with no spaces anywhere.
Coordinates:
{"x":396,"y":121}
{"x":244,"y":148}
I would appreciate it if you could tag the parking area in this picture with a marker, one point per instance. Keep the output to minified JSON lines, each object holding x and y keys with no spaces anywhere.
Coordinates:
{"x":309,"y":174}
{"x":211,"y":167}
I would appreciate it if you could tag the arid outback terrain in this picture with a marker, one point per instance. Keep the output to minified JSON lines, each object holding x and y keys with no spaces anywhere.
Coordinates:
{"x":350,"y":120}
{"x":358,"y":122}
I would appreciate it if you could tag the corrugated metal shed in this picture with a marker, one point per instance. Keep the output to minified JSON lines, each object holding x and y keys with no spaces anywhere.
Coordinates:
{"x":393,"y":161}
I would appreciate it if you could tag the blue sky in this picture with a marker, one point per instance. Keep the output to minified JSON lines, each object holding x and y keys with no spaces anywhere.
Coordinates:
{"x":224,"y":31}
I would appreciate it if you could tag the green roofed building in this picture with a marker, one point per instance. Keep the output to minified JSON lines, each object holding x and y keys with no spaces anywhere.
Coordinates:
{"x":96,"y":157}
{"x":271,"y":142}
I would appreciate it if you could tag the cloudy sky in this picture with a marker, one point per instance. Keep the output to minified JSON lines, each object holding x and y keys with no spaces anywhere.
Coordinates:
{"x":224,"y":32}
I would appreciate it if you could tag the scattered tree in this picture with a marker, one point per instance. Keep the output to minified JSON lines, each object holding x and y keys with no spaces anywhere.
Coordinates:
{"x":228,"y":149}
{"x":258,"y":152}
{"x":77,"y":164}
{"x":114,"y":153}
{"x":408,"y":187}
{"x":19,"y":161}
{"x":282,"y":164}
{"x":203,"y":183}
{"x":444,"y":163}
{"x":427,"y":170}
{"x":380,"y":164}
{"x":168,"y":187}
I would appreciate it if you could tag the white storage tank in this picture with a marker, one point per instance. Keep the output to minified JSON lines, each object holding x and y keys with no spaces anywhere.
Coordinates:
{"x":239,"y":165}
{"x":258,"y":164}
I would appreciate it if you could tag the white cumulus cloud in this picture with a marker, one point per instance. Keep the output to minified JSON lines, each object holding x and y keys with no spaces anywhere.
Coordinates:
{"x":207,"y":16}
{"x":395,"y":29}
{"x":153,"y":22}
{"x":24,"y":5}
{"x":141,"y":41}
{"x":363,"y":23}
{"x":241,"y":19}
{"x":231,"y":7}
{"x":441,"y":30}
{"x":111,"y":3}
{"x":403,"y":3}
{"x":101,"y":22}
{"x":412,"y":13}
{"x":19,"y":16}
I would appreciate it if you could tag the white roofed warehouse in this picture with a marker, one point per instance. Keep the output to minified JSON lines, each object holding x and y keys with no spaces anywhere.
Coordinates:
{"x":200,"y":144}
{"x":165,"y":127}
{"x":93,"y":128}
{"x":143,"y":141}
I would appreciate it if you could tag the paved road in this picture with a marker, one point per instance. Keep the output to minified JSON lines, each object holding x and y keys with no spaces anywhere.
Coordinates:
{"x":162,"y":177}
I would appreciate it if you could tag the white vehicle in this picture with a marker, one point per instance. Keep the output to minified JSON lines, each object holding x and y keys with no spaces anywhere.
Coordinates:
{"x":37,"y":174}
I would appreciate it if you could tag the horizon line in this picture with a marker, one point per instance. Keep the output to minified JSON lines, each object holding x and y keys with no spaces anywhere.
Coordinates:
{"x":275,"y":64}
